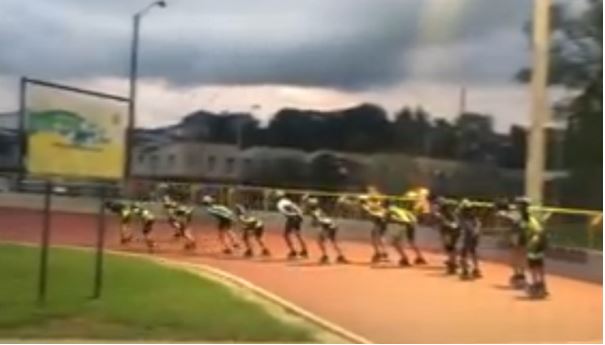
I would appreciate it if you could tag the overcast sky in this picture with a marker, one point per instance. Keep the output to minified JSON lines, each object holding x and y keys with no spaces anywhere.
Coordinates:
{"x":233,"y":54}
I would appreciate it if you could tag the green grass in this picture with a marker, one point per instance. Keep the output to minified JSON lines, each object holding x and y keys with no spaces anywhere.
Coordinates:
{"x":141,"y":300}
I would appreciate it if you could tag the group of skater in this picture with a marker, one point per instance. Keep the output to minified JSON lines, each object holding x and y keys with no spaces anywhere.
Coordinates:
{"x":394,"y":222}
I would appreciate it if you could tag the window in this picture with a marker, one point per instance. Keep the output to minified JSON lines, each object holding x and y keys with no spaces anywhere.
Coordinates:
{"x":191,"y":160}
{"x":211,"y":163}
{"x":229,"y":165}
{"x":247,"y":164}
{"x":171,"y":160}
{"x":153,"y":163}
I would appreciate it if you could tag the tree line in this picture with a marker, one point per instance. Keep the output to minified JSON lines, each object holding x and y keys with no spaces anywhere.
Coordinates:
{"x":367,"y":128}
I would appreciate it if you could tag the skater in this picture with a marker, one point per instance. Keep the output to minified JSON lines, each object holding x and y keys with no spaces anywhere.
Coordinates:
{"x":179,"y":217}
{"x":470,"y":228}
{"x":169,"y":207}
{"x":517,"y":213}
{"x":251,"y":227}
{"x":327,"y":231}
{"x":418,"y":201}
{"x":408,"y":221}
{"x":294,"y":217}
{"x":449,"y":228}
{"x":147,"y":219}
{"x":378,"y":215}
{"x":124,"y":212}
{"x":225,"y":218}
{"x":536,"y":246}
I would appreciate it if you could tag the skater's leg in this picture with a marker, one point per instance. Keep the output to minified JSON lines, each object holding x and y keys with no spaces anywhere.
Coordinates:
{"x":321,"y":239}
{"x":188,"y":236}
{"x":475,"y":259}
{"x":375,"y":245}
{"x":288,"y":240}
{"x":398,"y":246}
{"x":411,"y":237}
{"x":223,"y":241}
{"x":380,"y":240}
{"x":301,"y":242}
{"x":464,"y":253}
{"x":125,"y":234}
{"x":264,"y":250}
{"x":336,"y":248}
{"x":246,"y":241}
{"x":230,"y":235}
{"x":147,"y":229}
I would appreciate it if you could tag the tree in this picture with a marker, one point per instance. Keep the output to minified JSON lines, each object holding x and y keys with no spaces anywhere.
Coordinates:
{"x":576,"y":63}
{"x":403,"y":131}
{"x":476,"y":137}
{"x":422,"y":132}
{"x":366,"y":128}
{"x":295,"y":129}
{"x":445,"y":140}
{"x":584,"y":147}
{"x":514,"y":153}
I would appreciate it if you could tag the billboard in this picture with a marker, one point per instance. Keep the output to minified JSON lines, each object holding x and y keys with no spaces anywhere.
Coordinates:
{"x":74,"y":132}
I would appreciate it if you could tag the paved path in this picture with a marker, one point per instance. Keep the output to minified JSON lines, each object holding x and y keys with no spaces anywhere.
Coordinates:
{"x":385,"y":303}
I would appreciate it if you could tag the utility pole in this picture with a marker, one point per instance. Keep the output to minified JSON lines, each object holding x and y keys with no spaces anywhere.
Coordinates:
{"x":540,"y":112}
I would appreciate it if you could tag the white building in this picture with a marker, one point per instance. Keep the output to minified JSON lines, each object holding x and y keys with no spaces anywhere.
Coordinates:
{"x":187,"y":161}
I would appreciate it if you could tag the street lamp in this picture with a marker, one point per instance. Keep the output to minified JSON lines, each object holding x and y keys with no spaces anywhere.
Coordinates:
{"x":134,"y":52}
{"x":540,"y":112}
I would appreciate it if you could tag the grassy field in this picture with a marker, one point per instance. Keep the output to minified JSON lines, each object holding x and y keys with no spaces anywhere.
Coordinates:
{"x":141,"y":301}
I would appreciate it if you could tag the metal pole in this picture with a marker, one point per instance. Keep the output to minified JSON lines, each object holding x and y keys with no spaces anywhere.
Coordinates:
{"x":22,"y":130}
{"x":540,"y":112}
{"x":462,"y":101}
{"x":98,"y":283}
{"x":134,"y":52}
{"x":43,"y":268}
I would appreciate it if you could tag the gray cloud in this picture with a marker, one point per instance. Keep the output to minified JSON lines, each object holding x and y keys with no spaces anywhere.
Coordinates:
{"x":343,"y":44}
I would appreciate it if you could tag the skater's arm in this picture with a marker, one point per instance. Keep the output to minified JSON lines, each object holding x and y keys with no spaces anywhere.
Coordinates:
{"x":288,"y":208}
{"x":220,"y":212}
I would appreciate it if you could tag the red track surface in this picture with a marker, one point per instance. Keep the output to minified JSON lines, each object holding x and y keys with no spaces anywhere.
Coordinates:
{"x":384,"y":304}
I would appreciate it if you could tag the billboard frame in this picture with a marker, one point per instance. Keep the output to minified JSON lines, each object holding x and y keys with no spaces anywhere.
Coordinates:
{"x":48,"y":178}
{"x":24,"y":81}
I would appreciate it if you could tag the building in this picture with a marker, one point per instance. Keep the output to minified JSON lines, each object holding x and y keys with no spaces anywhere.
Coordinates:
{"x":187,"y":161}
{"x":284,"y":167}
{"x":9,"y":142}
{"x":9,"y":150}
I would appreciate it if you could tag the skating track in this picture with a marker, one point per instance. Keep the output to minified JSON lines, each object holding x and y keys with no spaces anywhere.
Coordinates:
{"x":381,"y":303}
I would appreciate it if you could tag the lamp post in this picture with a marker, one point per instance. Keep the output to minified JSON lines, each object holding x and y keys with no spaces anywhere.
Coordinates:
{"x":540,"y":112}
{"x":134,"y":52}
